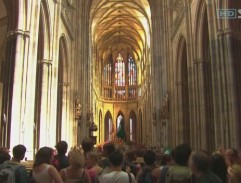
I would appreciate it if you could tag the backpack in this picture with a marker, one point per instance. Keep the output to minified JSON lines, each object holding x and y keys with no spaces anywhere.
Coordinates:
{"x":7,"y":172}
{"x":164,"y":172}
{"x":178,"y":174}
{"x":146,"y":176}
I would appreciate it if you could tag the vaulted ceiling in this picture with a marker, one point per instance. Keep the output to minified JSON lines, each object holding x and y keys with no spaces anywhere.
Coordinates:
{"x":120,"y":25}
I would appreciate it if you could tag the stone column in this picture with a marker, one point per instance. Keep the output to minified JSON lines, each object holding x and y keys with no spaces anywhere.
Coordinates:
{"x":65,"y":126}
{"x":45,"y":131}
{"x":179,"y":127}
{"x":195,"y":126}
{"x":232,"y":91}
{"x":203,"y":133}
{"x":15,"y":87}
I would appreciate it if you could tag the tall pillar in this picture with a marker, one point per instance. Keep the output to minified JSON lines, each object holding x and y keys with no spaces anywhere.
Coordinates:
{"x":179,"y":127}
{"x":201,"y":64}
{"x":45,"y":131}
{"x":15,"y":88}
{"x":232,"y":91}
{"x":65,"y":110}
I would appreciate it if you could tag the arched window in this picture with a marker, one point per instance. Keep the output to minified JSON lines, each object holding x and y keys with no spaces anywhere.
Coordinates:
{"x":132,"y":74}
{"x":108,"y":127}
{"x":107,"y":79}
{"x":119,"y":118}
{"x":120,"y":78}
{"x":132,"y":71}
{"x":120,"y":71}
{"x":132,"y":118}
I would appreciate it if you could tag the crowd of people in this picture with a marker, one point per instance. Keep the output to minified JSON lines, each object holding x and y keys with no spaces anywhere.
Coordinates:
{"x":85,"y":165}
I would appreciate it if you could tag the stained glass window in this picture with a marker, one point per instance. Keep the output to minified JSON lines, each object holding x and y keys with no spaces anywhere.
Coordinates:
{"x":120,"y":71}
{"x":132,"y":71}
{"x":107,"y":80}
{"x":118,"y":74}
{"x":107,"y":74}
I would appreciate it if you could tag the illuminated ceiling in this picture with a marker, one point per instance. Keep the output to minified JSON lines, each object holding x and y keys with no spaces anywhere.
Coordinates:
{"x":120,"y":25}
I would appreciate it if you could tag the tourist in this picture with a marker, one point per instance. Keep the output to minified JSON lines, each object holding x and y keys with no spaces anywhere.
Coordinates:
{"x":75,"y":172}
{"x":199,"y":165}
{"x":87,"y":145}
{"x":234,"y":165}
{"x":179,"y":170}
{"x":167,"y":159}
{"x":219,"y":167}
{"x":117,"y":175}
{"x":4,"y":155}
{"x":43,"y":172}
{"x":91,"y":162}
{"x":128,"y":164}
{"x":149,"y":173}
{"x":60,"y":160}
{"x":108,"y":148}
{"x":20,"y":172}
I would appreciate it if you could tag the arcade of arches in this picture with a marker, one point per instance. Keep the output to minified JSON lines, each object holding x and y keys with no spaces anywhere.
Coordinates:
{"x":168,"y":69}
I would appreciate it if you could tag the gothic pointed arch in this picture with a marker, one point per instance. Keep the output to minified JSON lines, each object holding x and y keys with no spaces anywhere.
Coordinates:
{"x":62,"y":85}
{"x":108,"y":126}
{"x":183,"y":89}
{"x":43,"y":63}
{"x":120,"y":116}
{"x":133,"y":126}
{"x":203,"y":61}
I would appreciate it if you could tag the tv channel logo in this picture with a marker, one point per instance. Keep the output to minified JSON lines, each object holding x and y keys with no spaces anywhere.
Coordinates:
{"x":229,"y":13}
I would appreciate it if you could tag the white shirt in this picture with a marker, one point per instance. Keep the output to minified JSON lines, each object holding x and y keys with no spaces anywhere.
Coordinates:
{"x":117,"y":177}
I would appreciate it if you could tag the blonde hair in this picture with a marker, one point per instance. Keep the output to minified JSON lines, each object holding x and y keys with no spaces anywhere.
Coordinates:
{"x":76,"y":157}
{"x":94,"y":155}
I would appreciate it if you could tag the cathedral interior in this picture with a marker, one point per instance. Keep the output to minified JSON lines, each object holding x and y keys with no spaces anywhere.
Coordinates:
{"x":168,"y":69}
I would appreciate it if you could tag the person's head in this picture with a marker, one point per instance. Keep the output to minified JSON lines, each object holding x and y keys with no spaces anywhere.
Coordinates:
{"x":218,"y":166}
{"x":199,"y":162}
{"x":181,"y":154}
{"x":61,"y":147}
{"x":76,"y":157}
{"x":116,"y":158}
{"x":19,"y":152}
{"x":91,"y":159}
{"x":149,"y":157}
{"x":44,"y":155}
{"x":107,"y":149}
{"x":5,"y":149}
{"x":87,"y":144}
{"x":130,"y":156}
{"x":4,"y":156}
{"x":232,"y":155}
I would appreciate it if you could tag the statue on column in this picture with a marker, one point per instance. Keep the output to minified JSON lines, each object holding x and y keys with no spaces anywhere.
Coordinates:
{"x":78,"y":109}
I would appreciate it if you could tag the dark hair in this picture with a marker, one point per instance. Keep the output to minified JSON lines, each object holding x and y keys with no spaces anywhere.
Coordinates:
{"x":218,"y":166}
{"x":149,"y":157}
{"x":4,"y":156}
{"x":235,"y":152}
{"x":62,"y":147}
{"x":108,"y":148}
{"x":19,"y":151}
{"x":131,"y":156}
{"x":43,"y":155}
{"x":181,"y":154}
{"x":87,"y":144}
{"x":201,"y":161}
{"x":116,"y":158}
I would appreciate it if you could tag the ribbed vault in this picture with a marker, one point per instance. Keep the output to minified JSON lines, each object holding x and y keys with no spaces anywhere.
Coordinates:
{"x":120,"y":25}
